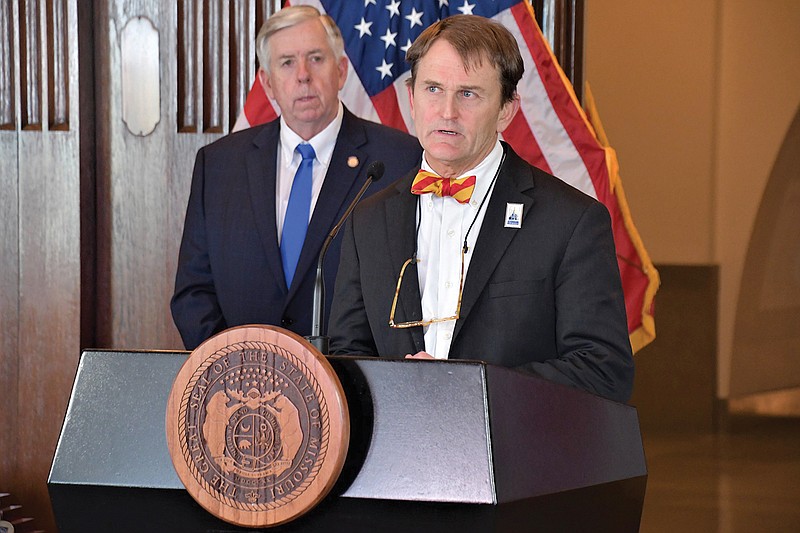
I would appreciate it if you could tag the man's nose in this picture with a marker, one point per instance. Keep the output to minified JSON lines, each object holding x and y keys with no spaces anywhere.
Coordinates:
{"x":303,"y":73}
{"x":449,"y":107}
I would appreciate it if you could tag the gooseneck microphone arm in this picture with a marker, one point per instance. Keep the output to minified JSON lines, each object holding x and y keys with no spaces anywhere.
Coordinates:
{"x":374,"y":173}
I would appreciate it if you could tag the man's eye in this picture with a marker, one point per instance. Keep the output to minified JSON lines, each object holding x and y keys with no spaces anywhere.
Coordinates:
{"x":467,"y":94}
{"x":432,"y":89}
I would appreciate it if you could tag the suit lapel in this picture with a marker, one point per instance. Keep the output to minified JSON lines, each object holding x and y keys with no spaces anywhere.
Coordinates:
{"x":339,"y":182}
{"x":513,"y":185}
{"x":401,"y":223}
{"x":262,"y":163}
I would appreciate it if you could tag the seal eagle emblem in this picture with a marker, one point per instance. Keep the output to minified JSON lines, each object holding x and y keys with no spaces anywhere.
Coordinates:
{"x":257,"y":424}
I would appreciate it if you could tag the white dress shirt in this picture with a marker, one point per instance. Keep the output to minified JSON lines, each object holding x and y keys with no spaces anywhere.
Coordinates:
{"x":444,"y":224}
{"x":289,"y":160}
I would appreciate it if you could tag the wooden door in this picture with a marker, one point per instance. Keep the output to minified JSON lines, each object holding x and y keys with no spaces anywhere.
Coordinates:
{"x":172,"y":77}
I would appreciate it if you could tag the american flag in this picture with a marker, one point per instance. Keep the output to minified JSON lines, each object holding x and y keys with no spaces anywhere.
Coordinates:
{"x":551,"y":130}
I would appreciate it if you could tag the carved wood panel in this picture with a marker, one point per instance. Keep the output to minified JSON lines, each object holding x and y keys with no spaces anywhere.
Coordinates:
{"x":207,"y":64}
{"x":9,"y":243}
{"x":40,"y":238}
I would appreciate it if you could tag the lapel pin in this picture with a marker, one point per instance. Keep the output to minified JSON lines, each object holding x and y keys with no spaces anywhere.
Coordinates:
{"x":352,"y":161}
{"x":513,"y":216}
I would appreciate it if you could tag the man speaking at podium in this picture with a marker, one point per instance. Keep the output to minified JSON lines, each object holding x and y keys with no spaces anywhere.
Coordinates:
{"x":480,"y":255}
{"x":263,"y":200}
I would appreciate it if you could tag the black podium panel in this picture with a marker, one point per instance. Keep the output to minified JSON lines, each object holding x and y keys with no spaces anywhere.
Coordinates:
{"x":608,"y":508}
{"x":548,"y":438}
{"x":456,"y":439}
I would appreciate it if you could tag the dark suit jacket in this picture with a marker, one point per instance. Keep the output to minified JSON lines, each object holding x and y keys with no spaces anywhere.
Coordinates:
{"x":229,"y":267}
{"x":545,"y":298}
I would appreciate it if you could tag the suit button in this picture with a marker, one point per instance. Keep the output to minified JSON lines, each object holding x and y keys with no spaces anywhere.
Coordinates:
{"x":286,"y":322}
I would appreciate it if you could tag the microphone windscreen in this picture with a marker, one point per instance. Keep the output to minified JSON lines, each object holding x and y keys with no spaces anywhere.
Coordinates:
{"x":375,"y":170}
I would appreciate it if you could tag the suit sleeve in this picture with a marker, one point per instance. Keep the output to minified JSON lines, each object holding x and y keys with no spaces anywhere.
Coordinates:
{"x":594,"y":351}
{"x":194,"y":304}
{"x":350,"y":332}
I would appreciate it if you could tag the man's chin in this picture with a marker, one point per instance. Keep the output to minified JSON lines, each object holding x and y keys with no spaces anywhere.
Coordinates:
{"x":443,"y":152}
{"x":308,"y":112}
{"x":307,"y":118}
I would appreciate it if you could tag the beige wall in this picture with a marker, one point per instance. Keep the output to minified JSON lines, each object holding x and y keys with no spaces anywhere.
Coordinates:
{"x":696,"y":97}
{"x":651,"y":69}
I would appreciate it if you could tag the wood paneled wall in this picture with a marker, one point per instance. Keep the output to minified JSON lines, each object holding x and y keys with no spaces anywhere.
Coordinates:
{"x":204,"y":56}
{"x":40,"y":226}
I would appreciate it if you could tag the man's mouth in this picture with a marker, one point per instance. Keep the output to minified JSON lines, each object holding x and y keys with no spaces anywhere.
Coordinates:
{"x":446,"y":132}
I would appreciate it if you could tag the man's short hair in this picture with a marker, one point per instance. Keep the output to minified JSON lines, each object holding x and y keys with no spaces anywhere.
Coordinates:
{"x":476,"y":39}
{"x":292,"y":16}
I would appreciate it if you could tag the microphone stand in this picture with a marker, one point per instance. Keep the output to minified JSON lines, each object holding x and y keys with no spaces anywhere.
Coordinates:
{"x":317,"y":339}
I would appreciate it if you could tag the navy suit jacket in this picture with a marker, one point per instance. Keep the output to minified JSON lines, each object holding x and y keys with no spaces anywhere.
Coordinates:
{"x":229,"y":267}
{"x":545,"y":298}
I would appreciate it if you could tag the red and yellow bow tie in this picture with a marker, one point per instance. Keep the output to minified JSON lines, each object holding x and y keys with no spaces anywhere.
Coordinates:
{"x":460,"y":189}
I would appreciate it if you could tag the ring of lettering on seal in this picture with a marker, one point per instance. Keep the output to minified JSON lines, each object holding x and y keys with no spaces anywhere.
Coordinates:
{"x":251,"y":426}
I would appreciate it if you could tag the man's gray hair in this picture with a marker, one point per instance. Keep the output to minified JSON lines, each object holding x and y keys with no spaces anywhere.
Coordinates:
{"x":292,"y":16}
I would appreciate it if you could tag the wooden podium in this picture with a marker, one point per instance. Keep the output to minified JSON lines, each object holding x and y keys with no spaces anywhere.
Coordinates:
{"x":435,"y":446}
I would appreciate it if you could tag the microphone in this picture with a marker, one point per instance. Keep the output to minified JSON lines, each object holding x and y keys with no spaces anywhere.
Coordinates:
{"x":374,"y":173}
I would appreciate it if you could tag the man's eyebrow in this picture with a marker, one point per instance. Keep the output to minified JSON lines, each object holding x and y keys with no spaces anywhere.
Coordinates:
{"x":295,"y":54}
{"x":458,"y":88}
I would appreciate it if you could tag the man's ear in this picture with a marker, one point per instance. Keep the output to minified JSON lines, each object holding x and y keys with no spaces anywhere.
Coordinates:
{"x":342,"y":67}
{"x":263,"y":77}
{"x":507,"y":113}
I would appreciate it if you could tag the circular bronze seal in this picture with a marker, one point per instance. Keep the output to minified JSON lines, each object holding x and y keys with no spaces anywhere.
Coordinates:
{"x":257,"y":426}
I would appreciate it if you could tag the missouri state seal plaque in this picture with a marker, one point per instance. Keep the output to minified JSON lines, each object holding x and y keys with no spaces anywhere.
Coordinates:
{"x":257,"y":426}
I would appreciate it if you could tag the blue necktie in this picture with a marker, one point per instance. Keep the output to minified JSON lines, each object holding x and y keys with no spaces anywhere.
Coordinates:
{"x":295,"y":223}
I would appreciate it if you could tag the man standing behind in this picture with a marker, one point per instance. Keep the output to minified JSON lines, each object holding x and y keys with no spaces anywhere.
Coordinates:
{"x":264,"y":199}
{"x":480,"y":255}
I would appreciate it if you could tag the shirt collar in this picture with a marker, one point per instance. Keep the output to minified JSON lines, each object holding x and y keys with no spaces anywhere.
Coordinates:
{"x":483,"y":171}
{"x":323,"y":142}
